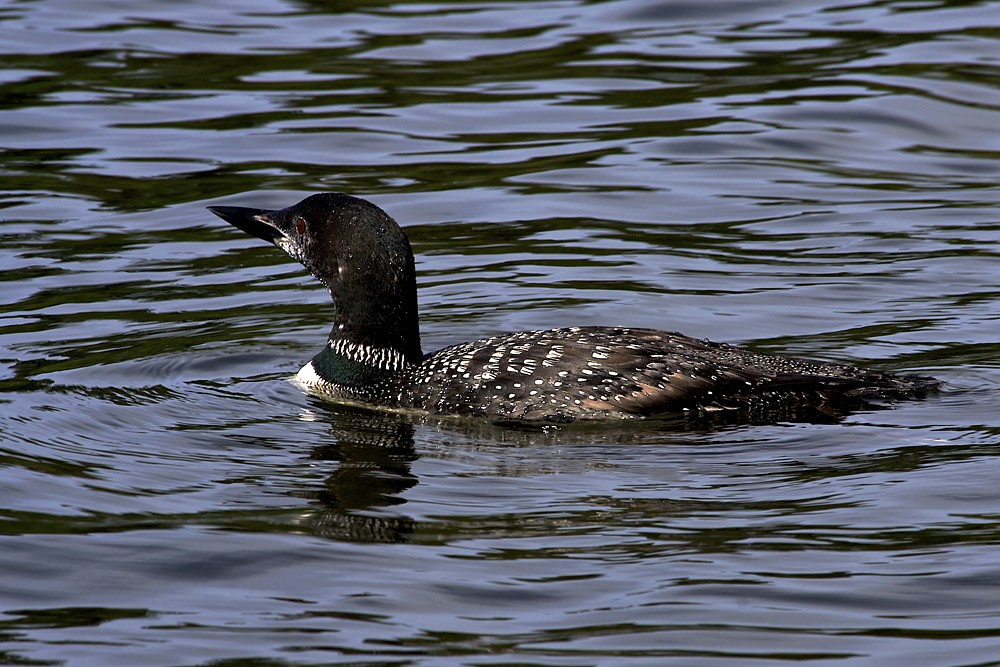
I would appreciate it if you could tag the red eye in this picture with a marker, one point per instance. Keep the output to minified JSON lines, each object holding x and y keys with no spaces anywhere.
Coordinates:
{"x":300,"y":225}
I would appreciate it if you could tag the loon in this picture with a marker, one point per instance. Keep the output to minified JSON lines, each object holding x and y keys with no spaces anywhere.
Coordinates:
{"x":373,"y":355}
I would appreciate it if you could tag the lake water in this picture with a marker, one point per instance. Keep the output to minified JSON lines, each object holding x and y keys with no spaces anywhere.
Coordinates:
{"x":802,"y":177}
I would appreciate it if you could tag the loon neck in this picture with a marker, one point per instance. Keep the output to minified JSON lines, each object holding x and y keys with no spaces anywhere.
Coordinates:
{"x":371,"y":278}
{"x":356,"y":365}
{"x":376,"y":326}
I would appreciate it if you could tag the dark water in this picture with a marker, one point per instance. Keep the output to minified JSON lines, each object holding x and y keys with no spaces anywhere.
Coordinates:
{"x":802,"y":177}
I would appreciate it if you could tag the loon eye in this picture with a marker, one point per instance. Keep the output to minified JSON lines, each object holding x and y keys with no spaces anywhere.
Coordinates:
{"x":300,"y":225}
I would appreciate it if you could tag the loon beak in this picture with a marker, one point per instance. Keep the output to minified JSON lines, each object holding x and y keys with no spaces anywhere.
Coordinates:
{"x":256,"y":221}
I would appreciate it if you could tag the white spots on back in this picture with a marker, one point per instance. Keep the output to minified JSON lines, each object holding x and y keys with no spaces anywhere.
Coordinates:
{"x":568,"y":373}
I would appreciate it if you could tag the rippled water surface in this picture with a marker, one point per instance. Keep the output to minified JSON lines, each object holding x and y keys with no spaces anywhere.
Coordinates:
{"x":800,"y":176}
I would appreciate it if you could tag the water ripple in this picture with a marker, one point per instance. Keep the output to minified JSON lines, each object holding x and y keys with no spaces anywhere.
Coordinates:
{"x":808,"y":178}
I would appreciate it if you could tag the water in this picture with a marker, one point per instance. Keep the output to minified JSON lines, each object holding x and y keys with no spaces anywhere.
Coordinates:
{"x":801,"y":177}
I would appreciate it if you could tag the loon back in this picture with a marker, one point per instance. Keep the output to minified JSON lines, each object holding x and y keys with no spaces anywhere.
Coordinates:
{"x":373,"y":354}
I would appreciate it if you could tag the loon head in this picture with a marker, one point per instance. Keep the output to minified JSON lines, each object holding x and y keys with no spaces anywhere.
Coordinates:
{"x":360,"y":254}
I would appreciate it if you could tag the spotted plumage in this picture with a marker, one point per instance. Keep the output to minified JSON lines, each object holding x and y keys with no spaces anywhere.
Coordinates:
{"x":373,"y":355}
